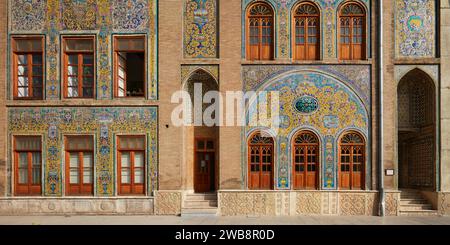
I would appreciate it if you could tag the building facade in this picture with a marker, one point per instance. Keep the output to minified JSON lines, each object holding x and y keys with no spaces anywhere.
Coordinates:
{"x":357,"y":90}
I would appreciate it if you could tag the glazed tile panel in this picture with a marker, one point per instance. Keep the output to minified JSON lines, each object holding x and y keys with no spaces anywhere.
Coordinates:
{"x":328,"y":101}
{"x":415,"y":28}
{"x":102,"y":18}
{"x":104,"y":123}
{"x":200,"y":29}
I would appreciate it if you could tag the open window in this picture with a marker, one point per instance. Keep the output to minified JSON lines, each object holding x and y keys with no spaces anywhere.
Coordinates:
{"x":28,"y":67}
{"x":79,"y":67}
{"x":129,"y":66}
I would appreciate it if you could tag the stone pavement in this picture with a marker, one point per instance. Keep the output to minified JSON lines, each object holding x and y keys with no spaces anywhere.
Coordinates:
{"x":173,"y":220}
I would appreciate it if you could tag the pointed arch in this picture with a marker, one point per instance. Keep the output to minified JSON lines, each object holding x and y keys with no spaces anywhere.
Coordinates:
{"x":416,"y":123}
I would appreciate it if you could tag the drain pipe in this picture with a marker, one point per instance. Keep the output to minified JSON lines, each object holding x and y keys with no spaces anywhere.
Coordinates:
{"x":381,"y":110}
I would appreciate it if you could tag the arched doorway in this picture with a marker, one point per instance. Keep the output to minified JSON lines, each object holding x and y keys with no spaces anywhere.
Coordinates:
{"x":201,"y":138}
{"x":260,"y":162}
{"x":352,"y":161}
{"x":416,"y":131}
{"x":306,"y":155}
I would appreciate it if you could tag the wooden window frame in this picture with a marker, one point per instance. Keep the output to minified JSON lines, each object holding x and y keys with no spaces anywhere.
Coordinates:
{"x":306,"y":33}
{"x":80,"y":65}
{"x":28,"y":189}
{"x":80,"y":189}
{"x":249,"y":162}
{"x":132,"y":185}
{"x":352,"y":17}
{"x":306,"y":162}
{"x":363,"y":164}
{"x":29,"y":65}
{"x":260,"y":19}
{"x":116,"y":52}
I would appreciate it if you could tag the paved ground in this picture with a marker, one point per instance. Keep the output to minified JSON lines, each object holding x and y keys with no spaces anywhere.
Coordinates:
{"x":171,"y":220}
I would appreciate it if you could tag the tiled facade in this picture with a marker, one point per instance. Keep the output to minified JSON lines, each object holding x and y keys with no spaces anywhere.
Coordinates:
{"x":206,"y":40}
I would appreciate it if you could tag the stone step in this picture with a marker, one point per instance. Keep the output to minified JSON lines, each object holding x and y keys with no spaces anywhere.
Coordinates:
{"x":200,"y":197}
{"x":200,"y":203}
{"x":419,"y":213}
{"x":410,"y":195}
{"x":413,"y":201}
{"x":414,"y":207}
{"x":199,"y":212}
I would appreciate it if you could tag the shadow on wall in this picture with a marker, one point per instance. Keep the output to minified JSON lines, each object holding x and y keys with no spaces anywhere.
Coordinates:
{"x":2,"y":177}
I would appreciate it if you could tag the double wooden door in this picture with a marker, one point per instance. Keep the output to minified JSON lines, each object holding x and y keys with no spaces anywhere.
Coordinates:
{"x":306,"y":161}
{"x":204,"y":167}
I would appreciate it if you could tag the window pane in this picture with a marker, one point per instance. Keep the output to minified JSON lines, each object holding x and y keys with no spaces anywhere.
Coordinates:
{"x":37,"y":92}
{"x":73,"y":59}
{"x":74,"y":176}
{"x":37,"y":82}
{"x":121,"y":72}
{"x":87,"y":168}
{"x":72,"y":92}
{"x":130,"y":44}
{"x":24,"y":45}
{"x":36,"y":176}
{"x":79,"y":45}
{"x":87,"y":176}
{"x":88,"y":92}
{"x":23,"y":176}
{"x":138,"y":159}
{"x":80,"y":143}
{"x":22,"y":81}
{"x":22,"y":70}
{"x":88,"y":81}
{"x":22,"y":59}
{"x":23,"y":160}
{"x":125,"y":160}
{"x":72,"y":70}
{"x":88,"y":70}
{"x":126,"y":178}
{"x":73,"y":82}
{"x":74,"y":163}
{"x":87,"y":160}
{"x":37,"y":59}
{"x":37,"y":70}
{"x":28,"y":143}
{"x":36,"y":159}
{"x":135,"y":143}
{"x":88,"y":59}
{"x":22,"y":92}
{"x":138,"y":176}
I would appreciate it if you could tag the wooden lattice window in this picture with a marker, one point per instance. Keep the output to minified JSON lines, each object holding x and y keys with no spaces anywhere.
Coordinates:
{"x":79,"y":165}
{"x":352,"y":162}
{"x":306,"y":32}
{"x":306,"y":152}
{"x":79,"y":67}
{"x":28,"y":165}
{"x":131,"y":165}
{"x":352,"y":32}
{"x":260,"y":162}
{"x":260,"y":32}
{"x":28,"y":66}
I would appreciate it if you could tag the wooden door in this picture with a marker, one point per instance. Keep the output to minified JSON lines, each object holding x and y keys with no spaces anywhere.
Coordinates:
{"x":306,"y":161}
{"x":260,"y":160}
{"x":352,"y":162}
{"x":204,"y":167}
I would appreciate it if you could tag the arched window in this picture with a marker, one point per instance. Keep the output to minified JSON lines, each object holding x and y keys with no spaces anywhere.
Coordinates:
{"x":260,"y":162}
{"x":352,"y":23}
{"x":305,"y":167}
{"x":260,"y":38}
{"x":306,"y":32}
{"x":351,"y":161}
